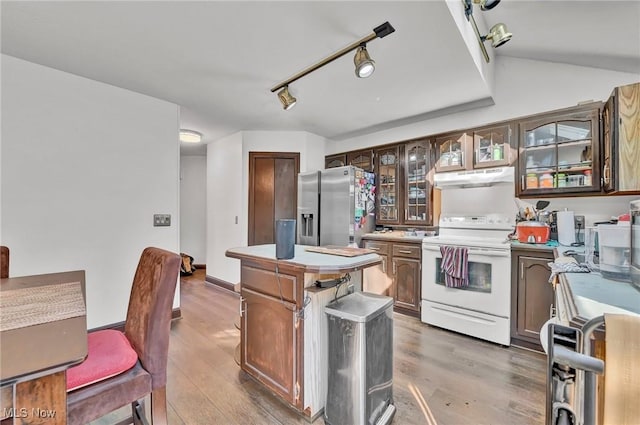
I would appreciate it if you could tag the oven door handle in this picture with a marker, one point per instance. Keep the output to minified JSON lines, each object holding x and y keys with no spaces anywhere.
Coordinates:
{"x":474,"y":251}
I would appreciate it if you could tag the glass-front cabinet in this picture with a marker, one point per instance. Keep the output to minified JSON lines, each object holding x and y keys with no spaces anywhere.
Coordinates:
{"x":452,"y":152}
{"x":361,"y":159}
{"x":335,"y":161}
{"x":417,"y":187}
{"x":492,"y":147}
{"x":388,"y":182}
{"x":559,"y":153}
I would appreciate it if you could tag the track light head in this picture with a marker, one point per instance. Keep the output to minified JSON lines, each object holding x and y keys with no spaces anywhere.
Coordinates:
{"x":285,"y":97}
{"x":498,"y":35}
{"x":364,"y":64}
{"x":487,"y":4}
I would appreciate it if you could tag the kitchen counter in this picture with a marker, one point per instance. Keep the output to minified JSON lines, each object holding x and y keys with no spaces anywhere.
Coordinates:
{"x":397,"y":236}
{"x":534,"y":246}
{"x":584,"y":296}
{"x":282,"y":317}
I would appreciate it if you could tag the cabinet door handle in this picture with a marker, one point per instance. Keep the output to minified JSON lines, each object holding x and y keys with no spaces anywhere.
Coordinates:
{"x":605,"y":173}
{"x":522,"y":271}
{"x":241,"y":310}
{"x":552,"y":311}
{"x":522,"y":182}
{"x":394,"y":268}
{"x":406,"y":214}
{"x":384,"y":266}
{"x":404,"y":251}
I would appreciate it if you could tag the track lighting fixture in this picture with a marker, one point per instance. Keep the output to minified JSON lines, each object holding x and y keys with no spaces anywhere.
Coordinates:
{"x":363,"y":62}
{"x":285,"y":97}
{"x":498,"y":33}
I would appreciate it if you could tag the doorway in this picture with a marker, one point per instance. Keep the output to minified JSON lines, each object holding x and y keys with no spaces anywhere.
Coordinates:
{"x":273,"y":192}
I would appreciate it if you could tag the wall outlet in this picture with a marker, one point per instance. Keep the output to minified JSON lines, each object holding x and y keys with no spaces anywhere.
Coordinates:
{"x":161,"y":220}
{"x":579,"y":221}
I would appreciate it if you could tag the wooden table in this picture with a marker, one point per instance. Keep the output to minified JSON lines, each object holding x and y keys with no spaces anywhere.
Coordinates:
{"x":35,"y":353}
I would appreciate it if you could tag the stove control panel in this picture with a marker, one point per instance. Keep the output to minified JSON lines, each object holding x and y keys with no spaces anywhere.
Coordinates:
{"x":487,"y":221}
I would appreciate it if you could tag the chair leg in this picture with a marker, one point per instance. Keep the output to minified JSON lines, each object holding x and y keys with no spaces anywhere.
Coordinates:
{"x":159,"y":406}
{"x":137,"y":411}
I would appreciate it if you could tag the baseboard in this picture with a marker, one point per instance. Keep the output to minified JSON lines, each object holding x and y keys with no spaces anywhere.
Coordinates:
{"x":220,"y":283}
{"x":200,"y":266}
{"x":176,"y":313}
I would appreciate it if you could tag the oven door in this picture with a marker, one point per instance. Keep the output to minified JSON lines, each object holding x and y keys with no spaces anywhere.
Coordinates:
{"x":489,"y":289}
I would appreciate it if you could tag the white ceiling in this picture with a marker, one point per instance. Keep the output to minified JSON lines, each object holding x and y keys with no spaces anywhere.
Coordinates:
{"x":219,"y":60}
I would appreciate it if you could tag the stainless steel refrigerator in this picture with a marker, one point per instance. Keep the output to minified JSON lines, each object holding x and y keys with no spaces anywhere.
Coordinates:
{"x":335,"y":206}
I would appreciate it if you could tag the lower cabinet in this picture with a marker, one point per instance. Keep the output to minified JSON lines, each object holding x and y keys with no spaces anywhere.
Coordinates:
{"x":532,"y":296}
{"x":271,"y":346}
{"x":399,"y":276}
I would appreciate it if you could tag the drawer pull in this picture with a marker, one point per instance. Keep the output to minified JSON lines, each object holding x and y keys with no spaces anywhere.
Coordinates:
{"x":374,"y":249}
{"x":404,"y":251}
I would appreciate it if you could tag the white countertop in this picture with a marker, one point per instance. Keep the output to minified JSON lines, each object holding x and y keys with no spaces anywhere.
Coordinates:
{"x":594,"y":295}
{"x":311,"y":260}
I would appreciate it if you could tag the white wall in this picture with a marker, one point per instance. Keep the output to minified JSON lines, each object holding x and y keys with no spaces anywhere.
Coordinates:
{"x":193,"y":194}
{"x":85,"y":166}
{"x":228,"y":162}
{"x":225,"y":200}
{"x":522,"y":87}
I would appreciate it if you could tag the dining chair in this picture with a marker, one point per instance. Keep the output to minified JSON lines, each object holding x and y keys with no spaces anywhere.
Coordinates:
{"x":4,"y":262}
{"x":123,"y":368}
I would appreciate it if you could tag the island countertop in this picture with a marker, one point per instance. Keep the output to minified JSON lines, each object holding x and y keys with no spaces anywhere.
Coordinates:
{"x":588,"y":295}
{"x":307,"y":262}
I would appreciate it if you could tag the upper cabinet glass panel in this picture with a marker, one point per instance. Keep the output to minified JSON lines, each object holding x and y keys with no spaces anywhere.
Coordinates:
{"x":388,"y":167}
{"x":418,"y":194}
{"x":491,"y":147}
{"x":558,"y":155}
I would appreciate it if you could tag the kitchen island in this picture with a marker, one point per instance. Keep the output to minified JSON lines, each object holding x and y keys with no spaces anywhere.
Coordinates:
{"x":283,"y":328}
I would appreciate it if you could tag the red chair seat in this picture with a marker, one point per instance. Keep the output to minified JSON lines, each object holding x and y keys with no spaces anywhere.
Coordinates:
{"x":110,"y":354}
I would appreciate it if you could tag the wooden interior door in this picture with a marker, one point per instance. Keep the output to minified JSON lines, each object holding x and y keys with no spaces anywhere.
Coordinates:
{"x":273,"y":192}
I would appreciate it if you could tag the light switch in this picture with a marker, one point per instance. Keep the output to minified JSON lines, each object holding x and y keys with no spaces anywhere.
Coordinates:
{"x":161,"y":220}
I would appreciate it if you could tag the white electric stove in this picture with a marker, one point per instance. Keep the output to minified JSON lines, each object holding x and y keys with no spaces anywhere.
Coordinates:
{"x":483,"y":308}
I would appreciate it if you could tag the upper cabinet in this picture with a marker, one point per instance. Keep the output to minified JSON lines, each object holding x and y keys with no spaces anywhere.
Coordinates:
{"x":417,"y":193}
{"x":361,"y":159}
{"x":621,"y":140}
{"x":453,"y":151}
{"x":559,"y":152}
{"x":388,"y":182}
{"x":491,"y":146}
{"x":334,"y":161}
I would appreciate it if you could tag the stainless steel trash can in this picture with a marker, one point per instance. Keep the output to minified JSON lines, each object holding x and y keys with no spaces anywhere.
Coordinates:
{"x":360,"y":366}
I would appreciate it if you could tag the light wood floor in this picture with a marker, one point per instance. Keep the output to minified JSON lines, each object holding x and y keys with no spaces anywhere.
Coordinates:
{"x":440,"y":377}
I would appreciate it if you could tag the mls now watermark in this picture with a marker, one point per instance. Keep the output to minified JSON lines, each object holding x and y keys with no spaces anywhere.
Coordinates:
{"x":23,"y":412}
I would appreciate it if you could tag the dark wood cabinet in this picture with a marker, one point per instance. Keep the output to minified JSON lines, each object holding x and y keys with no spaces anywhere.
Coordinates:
{"x":417,"y":187}
{"x":484,"y":147}
{"x":559,"y":152}
{"x":494,"y":146}
{"x":388,"y":181}
{"x":621,"y":140}
{"x":403,"y":280}
{"x":453,"y":151}
{"x":271,"y":347}
{"x":361,"y":159}
{"x":334,"y":161}
{"x":532,"y":296}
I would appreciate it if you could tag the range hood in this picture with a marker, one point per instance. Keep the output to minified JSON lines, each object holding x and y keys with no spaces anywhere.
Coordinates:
{"x":474,"y":178}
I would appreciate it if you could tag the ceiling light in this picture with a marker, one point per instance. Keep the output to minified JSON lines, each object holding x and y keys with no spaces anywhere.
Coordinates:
{"x":285,"y":97}
{"x":364,"y":64}
{"x":498,"y":35}
{"x":190,"y":136}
